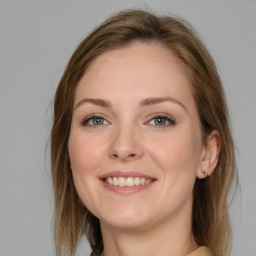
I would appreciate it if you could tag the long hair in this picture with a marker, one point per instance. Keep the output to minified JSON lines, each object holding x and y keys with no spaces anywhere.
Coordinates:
{"x":210,"y":217}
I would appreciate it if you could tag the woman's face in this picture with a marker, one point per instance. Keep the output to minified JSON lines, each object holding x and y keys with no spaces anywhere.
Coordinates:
{"x":135,"y":141}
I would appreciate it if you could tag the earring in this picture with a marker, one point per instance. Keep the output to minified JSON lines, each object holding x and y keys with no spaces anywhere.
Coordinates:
{"x":205,"y":174}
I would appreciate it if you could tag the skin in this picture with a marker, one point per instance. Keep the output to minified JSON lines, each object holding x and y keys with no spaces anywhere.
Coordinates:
{"x":157,"y":220}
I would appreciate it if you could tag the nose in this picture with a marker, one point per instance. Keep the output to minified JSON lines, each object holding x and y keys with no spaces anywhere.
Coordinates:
{"x":125,"y":145}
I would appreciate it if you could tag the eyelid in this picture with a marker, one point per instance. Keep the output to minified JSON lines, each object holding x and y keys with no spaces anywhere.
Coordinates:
{"x":169,"y":118}
{"x":89,"y":117}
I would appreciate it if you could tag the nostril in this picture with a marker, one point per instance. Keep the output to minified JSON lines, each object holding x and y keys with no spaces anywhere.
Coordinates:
{"x":126,"y":157}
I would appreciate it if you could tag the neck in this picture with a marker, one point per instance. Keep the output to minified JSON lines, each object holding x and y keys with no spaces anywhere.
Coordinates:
{"x":171,"y":237}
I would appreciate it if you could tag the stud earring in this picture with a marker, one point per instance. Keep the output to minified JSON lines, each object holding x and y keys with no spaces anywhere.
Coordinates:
{"x":205,"y":174}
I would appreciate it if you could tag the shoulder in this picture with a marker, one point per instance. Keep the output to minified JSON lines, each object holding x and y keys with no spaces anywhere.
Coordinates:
{"x":201,"y":251}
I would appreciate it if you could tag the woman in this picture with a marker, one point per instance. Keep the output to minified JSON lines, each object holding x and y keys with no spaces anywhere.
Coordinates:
{"x":141,"y":150}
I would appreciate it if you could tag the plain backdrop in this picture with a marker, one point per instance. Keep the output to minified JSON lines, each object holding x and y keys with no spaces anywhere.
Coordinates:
{"x":37,"y":39}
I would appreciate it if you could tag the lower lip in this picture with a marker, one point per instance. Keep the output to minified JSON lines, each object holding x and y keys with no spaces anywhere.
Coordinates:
{"x":126,"y":190}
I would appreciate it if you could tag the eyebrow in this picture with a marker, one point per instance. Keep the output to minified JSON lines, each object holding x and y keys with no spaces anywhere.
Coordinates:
{"x":97,"y":102}
{"x":145,"y":102}
{"x":155,"y":100}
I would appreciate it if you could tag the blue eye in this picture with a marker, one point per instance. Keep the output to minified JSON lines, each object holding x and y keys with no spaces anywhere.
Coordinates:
{"x":162,"y":121}
{"x":94,"y":121}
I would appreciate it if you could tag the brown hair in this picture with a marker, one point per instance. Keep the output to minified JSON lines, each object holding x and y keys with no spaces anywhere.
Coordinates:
{"x":210,"y":217}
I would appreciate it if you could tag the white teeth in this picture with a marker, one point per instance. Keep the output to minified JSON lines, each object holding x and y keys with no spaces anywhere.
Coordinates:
{"x":115,"y":181}
{"x":137,"y":181}
{"x":128,"y":182}
{"x":121,"y":181}
{"x":148,"y":181}
{"x":109,"y":181}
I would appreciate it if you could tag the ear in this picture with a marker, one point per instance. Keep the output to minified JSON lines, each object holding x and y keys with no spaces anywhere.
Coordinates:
{"x":209,"y":155}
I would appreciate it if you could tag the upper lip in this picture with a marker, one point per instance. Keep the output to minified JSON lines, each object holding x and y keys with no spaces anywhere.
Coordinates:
{"x":126,"y":174}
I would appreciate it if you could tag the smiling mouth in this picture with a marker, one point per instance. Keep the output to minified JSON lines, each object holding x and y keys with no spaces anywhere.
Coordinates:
{"x":127,"y":182}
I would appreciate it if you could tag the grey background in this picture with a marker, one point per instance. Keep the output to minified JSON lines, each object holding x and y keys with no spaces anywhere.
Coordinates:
{"x":36,"y":40}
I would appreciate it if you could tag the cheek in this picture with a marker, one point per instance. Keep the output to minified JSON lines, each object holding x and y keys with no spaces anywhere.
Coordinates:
{"x":177,"y":159}
{"x":177,"y":152}
{"x":85,"y":152}
{"x":85,"y":156}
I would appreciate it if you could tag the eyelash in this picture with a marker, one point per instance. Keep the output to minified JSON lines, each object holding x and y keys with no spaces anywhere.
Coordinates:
{"x":171,"y":121}
{"x":91,"y":118}
{"x":167,"y":118}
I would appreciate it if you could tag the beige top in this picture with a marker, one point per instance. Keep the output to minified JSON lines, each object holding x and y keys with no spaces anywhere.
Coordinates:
{"x":201,"y":251}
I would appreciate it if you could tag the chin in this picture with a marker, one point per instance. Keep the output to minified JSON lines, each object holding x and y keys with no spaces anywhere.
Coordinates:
{"x":126,"y":219}
{"x":125,"y":224}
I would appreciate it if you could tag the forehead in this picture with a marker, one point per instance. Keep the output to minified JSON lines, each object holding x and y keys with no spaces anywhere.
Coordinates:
{"x":138,"y":70}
